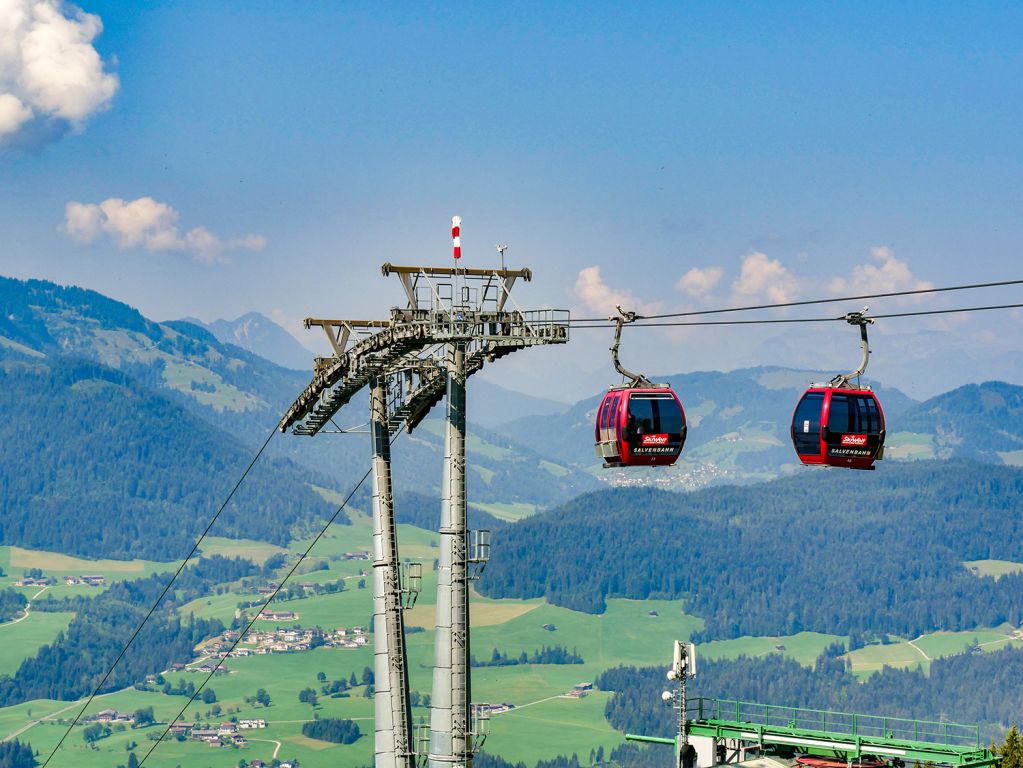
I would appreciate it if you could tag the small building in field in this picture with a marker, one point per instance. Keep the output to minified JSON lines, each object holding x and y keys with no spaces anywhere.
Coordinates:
{"x":278,"y":615}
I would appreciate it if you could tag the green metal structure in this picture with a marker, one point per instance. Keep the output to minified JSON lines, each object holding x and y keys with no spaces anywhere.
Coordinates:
{"x":833,"y":734}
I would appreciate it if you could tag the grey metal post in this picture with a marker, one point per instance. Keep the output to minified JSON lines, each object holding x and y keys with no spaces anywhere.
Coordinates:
{"x":391,"y":698}
{"x":450,"y":721}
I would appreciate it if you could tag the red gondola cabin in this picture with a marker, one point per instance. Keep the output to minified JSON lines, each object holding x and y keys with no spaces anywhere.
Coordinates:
{"x":640,"y":427}
{"x":838,"y":427}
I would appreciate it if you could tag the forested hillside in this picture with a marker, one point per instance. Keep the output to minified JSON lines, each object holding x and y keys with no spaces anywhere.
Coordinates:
{"x":94,"y":464}
{"x":828,"y":551}
{"x":245,"y":395}
{"x":980,"y":688}
{"x":976,"y":421}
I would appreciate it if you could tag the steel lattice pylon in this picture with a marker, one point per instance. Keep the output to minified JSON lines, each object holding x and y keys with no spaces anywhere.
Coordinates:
{"x":455,"y":321}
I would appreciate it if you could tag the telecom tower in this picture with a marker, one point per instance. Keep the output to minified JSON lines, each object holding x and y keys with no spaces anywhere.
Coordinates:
{"x":454,"y":322}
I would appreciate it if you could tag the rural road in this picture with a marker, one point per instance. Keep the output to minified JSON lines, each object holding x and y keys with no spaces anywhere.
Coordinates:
{"x":918,"y":649}
{"x":271,"y":741}
{"x":28,"y":607}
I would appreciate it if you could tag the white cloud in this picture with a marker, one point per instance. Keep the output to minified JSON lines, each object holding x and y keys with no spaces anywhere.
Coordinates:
{"x":146,"y":223}
{"x":49,"y":68}
{"x":599,"y":297}
{"x":698,"y":282}
{"x":13,"y":114}
{"x":766,"y":278}
{"x":888,"y":275}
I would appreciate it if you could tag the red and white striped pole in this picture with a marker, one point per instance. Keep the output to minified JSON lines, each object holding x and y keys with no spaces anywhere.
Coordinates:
{"x":456,"y":235}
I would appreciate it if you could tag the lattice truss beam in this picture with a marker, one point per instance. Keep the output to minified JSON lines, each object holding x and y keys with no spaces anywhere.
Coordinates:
{"x":444,"y":306}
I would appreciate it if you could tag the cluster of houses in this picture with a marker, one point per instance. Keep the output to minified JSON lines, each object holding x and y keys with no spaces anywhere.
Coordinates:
{"x":224,"y":735}
{"x":262,"y":764}
{"x":268,"y":615}
{"x":89,"y":580}
{"x":29,"y":581}
{"x":291,"y":640}
{"x":272,"y":587}
{"x":113,"y":716}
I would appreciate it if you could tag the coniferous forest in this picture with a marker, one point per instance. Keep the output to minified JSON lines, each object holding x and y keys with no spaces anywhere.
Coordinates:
{"x":965,"y":688}
{"x":112,"y":469}
{"x":844,"y":553}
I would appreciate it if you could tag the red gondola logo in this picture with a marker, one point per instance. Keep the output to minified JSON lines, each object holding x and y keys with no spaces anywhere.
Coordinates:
{"x":854,"y":439}
{"x":655,"y":439}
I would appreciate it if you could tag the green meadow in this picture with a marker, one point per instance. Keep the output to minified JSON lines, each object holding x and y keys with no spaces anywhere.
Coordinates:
{"x":543,"y":722}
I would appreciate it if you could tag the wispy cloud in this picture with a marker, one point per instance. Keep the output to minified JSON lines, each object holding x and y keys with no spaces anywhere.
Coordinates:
{"x":886,"y":275}
{"x":49,"y":69}
{"x":763,"y":277}
{"x":146,"y":223}
{"x":601,"y":298}
{"x":699,"y":282}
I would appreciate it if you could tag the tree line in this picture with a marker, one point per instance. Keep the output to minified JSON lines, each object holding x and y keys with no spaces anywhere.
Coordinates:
{"x":980,"y":688}
{"x":875,"y":553}
{"x":12,"y":603}
{"x":547,"y":654}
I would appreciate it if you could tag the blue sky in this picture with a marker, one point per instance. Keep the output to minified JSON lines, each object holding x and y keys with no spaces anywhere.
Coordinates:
{"x":779,"y":147}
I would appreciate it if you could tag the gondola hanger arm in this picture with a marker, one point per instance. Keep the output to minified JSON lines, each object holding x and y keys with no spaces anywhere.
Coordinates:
{"x":856,"y":318}
{"x":635,"y":379}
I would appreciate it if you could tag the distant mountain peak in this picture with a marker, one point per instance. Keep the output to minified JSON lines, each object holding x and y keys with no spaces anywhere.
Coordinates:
{"x":260,"y":335}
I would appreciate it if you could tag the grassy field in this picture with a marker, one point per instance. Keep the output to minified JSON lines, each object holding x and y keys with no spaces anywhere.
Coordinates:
{"x":909,"y":445}
{"x":15,"y":560}
{"x":924,"y":649}
{"x":996,"y":568}
{"x":256,"y":551}
{"x":20,"y":639}
{"x":511,"y":511}
{"x":543,"y":723}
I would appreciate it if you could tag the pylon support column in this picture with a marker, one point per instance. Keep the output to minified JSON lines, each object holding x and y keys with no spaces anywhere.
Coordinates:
{"x":393,"y":721}
{"x":450,"y":717}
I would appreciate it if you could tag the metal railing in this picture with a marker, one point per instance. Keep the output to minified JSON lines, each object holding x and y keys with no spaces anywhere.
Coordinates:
{"x":835,"y":723}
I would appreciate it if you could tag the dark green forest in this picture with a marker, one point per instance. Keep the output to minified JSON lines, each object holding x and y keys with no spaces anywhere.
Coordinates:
{"x":12,"y":603}
{"x":94,"y":464}
{"x":971,"y":688}
{"x":73,"y":664}
{"x":333,"y":729}
{"x":15,"y":754}
{"x":547,"y":654}
{"x":827,"y":551}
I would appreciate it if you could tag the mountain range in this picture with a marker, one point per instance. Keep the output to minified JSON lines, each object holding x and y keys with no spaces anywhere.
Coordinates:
{"x":65,"y":345}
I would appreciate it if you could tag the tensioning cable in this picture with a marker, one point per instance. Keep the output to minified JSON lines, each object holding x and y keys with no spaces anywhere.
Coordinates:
{"x":783,"y":305}
{"x":777,"y":320}
{"x":269,"y":600}
{"x":166,"y":589}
